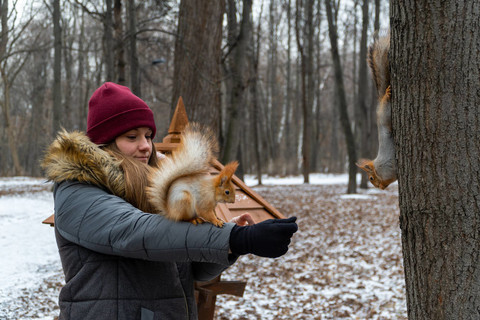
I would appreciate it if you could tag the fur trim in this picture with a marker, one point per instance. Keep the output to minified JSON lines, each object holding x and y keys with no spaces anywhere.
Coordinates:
{"x":72,"y":156}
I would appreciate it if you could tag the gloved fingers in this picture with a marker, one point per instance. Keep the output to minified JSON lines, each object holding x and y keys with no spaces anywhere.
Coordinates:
{"x":288,"y":220}
{"x":287,"y":225}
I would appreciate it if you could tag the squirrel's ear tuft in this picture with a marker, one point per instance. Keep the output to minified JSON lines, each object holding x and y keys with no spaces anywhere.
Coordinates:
{"x":365,"y":164}
{"x":226,"y":173}
{"x":230,"y":168}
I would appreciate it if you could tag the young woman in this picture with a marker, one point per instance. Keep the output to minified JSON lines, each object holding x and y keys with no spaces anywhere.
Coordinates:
{"x":121,"y":262}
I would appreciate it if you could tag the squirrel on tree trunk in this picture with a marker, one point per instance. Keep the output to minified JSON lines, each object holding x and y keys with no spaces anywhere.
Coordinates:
{"x":382,"y":170}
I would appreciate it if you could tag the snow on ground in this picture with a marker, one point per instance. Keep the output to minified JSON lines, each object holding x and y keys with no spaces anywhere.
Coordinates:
{"x":27,"y":248}
{"x":343,"y":263}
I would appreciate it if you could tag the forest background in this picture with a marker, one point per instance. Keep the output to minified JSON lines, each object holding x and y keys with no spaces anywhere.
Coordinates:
{"x":260,"y":73}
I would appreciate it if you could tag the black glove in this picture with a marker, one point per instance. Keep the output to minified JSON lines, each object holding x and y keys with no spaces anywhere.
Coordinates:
{"x":269,"y":238}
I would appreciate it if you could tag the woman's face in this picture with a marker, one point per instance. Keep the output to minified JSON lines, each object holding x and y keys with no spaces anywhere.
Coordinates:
{"x":136,"y":143}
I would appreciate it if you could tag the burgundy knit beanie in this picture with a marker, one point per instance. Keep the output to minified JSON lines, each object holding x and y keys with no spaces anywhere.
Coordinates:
{"x":113,"y":110}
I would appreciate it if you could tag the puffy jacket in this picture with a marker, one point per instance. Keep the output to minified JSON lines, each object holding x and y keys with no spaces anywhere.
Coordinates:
{"x":122,"y":263}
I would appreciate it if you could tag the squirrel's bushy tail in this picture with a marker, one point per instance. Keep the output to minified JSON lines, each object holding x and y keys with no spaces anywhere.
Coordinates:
{"x":378,"y":62}
{"x":193,"y":156}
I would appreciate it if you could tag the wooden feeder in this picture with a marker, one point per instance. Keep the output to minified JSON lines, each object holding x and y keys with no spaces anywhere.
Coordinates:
{"x":246,"y":200}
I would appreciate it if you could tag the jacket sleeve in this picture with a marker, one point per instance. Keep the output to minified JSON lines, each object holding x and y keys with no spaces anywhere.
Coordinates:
{"x":97,"y":220}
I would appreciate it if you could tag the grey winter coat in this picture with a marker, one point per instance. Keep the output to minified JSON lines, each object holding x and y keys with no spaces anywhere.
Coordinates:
{"x":122,"y":263}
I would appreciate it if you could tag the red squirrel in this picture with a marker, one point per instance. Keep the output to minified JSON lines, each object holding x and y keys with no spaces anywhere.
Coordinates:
{"x":382,"y":170}
{"x":183,"y":188}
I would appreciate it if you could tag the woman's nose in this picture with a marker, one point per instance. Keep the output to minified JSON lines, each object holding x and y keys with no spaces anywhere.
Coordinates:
{"x":144,"y":144}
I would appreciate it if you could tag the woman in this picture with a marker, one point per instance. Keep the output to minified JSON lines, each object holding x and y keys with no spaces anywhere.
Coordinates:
{"x":121,"y":262}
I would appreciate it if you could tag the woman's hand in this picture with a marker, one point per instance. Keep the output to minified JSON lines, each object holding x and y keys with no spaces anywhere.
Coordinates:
{"x":243,"y":220}
{"x":269,"y":238}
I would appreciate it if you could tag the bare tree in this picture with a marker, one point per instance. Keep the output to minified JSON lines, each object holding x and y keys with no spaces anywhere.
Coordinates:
{"x":254,"y":56}
{"x":435,"y":67}
{"x":57,"y":68}
{"x":119,"y":44}
{"x":304,"y":32}
{"x":133,"y":57}
{"x":12,"y":61}
{"x":361,"y":115}
{"x":342,"y":100}
{"x":237,"y":68}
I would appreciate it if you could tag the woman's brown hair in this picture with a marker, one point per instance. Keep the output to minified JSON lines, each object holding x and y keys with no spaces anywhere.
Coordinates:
{"x":136,"y":176}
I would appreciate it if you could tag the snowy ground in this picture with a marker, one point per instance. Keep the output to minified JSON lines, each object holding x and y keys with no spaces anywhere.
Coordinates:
{"x":344,"y":263}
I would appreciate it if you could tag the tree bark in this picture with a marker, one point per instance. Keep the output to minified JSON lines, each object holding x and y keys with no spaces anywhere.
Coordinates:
{"x":197,"y":72}
{"x":305,"y":48}
{"x":57,"y":68}
{"x":342,"y":100}
{"x":237,"y":98}
{"x":133,"y":57}
{"x":362,"y":110}
{"x":119,"y":44}
{"x":108,"y":50}
{"x":254,"y":60}
{"x":435,"y":64}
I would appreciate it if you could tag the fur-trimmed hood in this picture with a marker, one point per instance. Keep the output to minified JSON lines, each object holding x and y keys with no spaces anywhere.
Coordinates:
{"x":72,"y":156}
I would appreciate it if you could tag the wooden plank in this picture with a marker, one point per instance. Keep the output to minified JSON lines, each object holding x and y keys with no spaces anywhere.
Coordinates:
{"x":165,"y":146}
{"x":258,"y":215}
{"x":222,"y":212}
{"x":50,"y":220}
{"x":235,"y":288}
{"x":274,"y":212}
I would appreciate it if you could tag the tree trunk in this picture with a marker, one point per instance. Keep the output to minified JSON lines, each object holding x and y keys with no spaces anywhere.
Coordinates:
{"x":108,"y":52}
{"x":197,"y":70}
{"x":254,"y":60}
{"x":68,"y":47}
{"x":342,"y":100}
{"x":373,"y":102}
{"x":362,"y":110}
{"x":317,"y":133}
{"x":57,"y":68}
{"x":81,"y":120}
{"x":12,"y":146}
{"x":239,"y":84}
{"x":306,"y":56}
{"x":435,"y":64}
{"x":133,"y":57}
{"x":288,"y":147}
{"x":119,"y":46}
{"x":36,"y":142}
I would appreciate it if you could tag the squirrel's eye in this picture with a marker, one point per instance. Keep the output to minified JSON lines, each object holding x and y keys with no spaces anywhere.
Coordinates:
{"x":227,"y":192}
{"x":371,"y":178}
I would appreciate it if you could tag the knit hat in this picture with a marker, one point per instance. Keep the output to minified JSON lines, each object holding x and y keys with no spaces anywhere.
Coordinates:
{"x":113,"y":110}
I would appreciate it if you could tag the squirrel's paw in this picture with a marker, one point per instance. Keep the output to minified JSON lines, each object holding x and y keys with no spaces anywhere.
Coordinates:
{"x":196,"y":220}
{"x":217,"y":222}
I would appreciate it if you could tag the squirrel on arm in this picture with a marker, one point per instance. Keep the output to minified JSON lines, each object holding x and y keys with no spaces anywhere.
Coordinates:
{"x":382,"y":170}
{"x":183,"y":188}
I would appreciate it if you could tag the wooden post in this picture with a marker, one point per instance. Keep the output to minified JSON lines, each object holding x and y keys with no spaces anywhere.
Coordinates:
{"x":208,"y":291}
